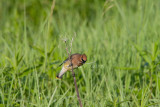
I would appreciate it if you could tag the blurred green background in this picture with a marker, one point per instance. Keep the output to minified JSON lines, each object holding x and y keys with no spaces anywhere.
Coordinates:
{"x":120,"y":38}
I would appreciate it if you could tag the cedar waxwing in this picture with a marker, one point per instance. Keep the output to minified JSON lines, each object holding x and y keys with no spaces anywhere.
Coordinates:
{"x":77,"y":60}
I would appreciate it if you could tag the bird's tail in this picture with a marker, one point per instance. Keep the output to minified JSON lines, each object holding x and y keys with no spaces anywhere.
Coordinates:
{"x":59,"y":76}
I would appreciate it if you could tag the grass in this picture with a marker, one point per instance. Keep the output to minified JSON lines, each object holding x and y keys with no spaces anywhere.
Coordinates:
{"x":120,"y":39}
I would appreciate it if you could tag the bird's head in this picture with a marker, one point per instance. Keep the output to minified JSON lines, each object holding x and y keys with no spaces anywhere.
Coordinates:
{"x":83,"y":58}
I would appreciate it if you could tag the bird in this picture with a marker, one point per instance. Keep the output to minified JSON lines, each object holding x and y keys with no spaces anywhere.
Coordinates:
{"x":76,"y":59}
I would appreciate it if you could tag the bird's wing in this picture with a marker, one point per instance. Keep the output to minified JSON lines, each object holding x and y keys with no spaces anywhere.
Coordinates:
{"x":71,"y":57}
{"x":64,"y":61}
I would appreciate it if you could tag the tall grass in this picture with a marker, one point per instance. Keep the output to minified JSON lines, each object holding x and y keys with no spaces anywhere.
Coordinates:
{"x":120,"y":39}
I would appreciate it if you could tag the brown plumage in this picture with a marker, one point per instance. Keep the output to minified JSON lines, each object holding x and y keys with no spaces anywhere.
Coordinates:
{"x":77,"y":60}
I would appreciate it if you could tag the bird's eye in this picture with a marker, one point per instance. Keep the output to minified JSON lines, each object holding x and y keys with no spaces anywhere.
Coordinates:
{"x":83,"y":60}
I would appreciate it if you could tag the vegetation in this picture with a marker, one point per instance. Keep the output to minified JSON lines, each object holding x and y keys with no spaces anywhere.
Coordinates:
{"x":121,"y":39}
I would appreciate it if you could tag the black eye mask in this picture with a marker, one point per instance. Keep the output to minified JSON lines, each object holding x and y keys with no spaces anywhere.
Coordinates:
{"x":83,"y":60}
